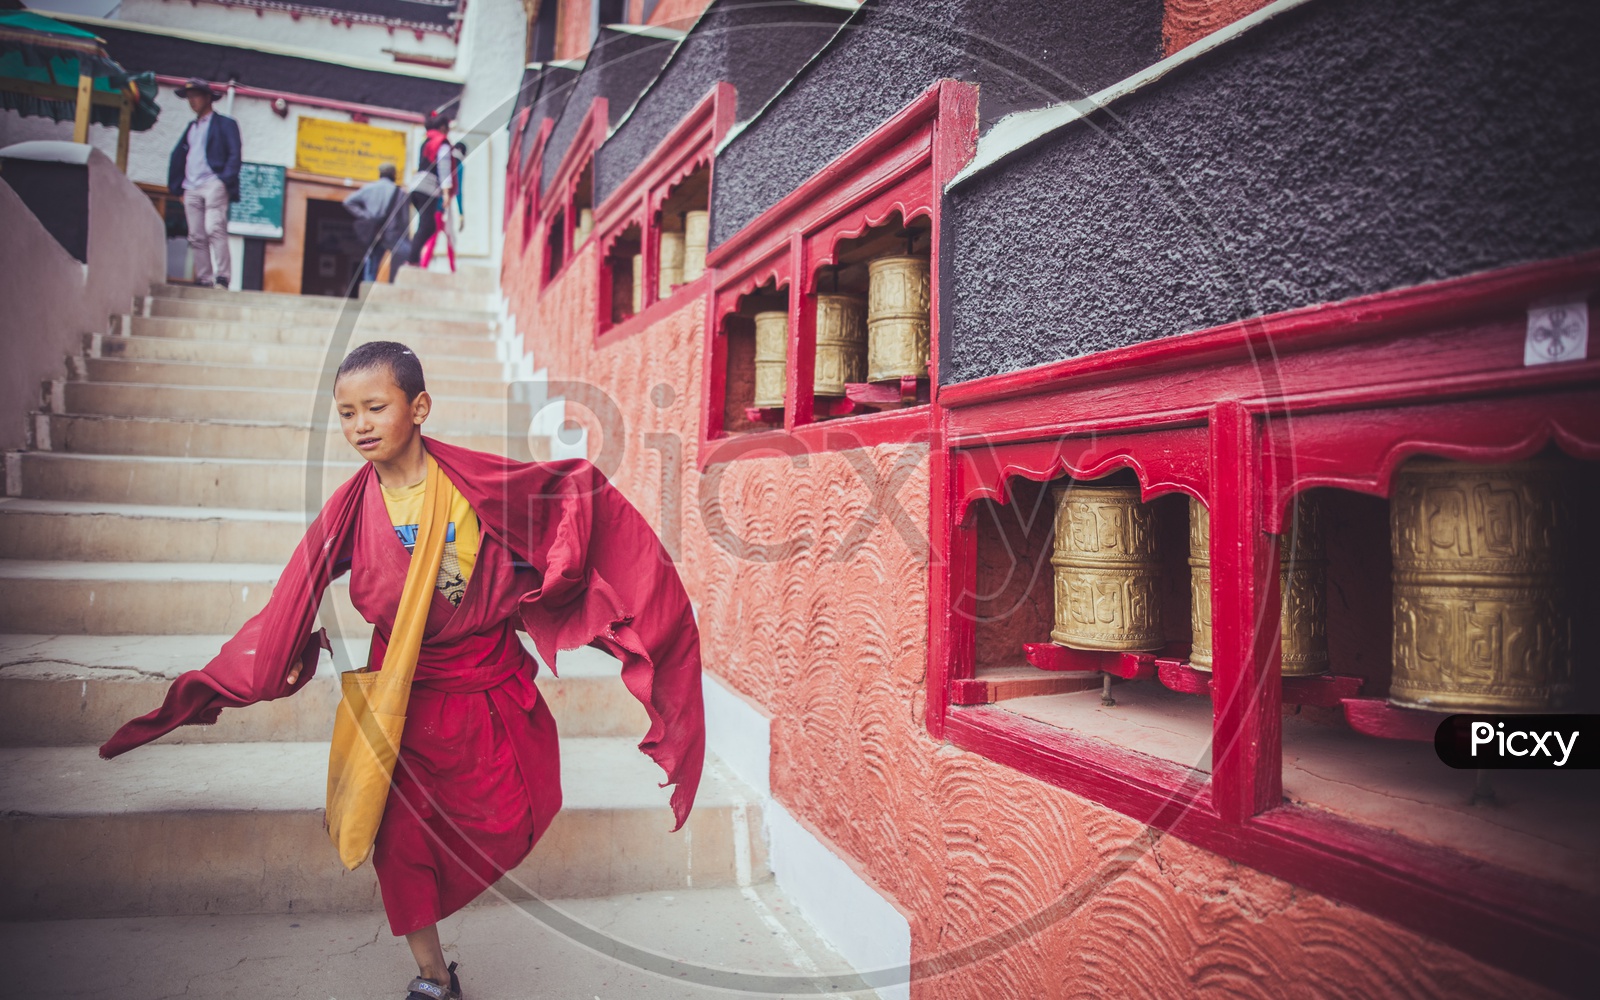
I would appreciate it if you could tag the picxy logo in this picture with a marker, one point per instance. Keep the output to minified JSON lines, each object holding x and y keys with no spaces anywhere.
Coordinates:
{"x":1516,"y":742}
{"x":1567,"y":742}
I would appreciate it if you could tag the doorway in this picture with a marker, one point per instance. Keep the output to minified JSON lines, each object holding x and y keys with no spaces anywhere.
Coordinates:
{"x":332,"y":257}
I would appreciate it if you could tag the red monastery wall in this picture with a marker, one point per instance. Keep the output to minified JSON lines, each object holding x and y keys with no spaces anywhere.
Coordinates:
{"x":572,"y":29}
{"x":1014,"y":888}
{"x":1187,"y":21}
{"x":678,"y":13}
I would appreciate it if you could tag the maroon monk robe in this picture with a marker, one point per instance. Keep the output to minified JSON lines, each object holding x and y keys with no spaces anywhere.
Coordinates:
{"x":478,"y":778}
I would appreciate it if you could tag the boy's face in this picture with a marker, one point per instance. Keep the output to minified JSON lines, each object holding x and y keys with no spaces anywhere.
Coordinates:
{"x":375,"y":416}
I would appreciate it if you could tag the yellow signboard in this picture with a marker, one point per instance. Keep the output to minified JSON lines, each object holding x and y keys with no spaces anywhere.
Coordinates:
{"x":347,"y":149}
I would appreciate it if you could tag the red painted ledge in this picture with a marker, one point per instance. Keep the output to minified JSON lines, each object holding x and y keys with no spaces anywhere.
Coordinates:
{"x":683,"y":296}
{"x":1546,"y":932}
{"x":913,"y":425}
{"x":1300,"y":329}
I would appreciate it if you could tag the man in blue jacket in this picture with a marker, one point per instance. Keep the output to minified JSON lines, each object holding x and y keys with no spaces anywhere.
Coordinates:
{"x":204,"y":169}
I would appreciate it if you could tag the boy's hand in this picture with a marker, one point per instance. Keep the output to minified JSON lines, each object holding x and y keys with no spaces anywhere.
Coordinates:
{"x":294,"y":675}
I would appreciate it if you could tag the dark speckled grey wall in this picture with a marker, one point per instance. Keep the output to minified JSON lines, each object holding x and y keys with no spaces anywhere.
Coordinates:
{"x":619,"y":67}
{"x":1022,"y":53}
{"x":1348,"y":147}
{"x":756,"y":45}
{"x":544,"y":89}
{"x":555,"y":86}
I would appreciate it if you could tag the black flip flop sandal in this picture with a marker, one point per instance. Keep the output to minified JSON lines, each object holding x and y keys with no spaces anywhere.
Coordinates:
{"x":427,"y":989}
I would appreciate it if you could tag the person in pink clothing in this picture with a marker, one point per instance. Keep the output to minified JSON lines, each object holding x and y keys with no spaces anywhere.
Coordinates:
{"x":433,"y":185}
{"x":448,"y":219}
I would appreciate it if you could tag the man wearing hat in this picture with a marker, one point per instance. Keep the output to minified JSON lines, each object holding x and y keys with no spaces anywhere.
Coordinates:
{"x":204,"y":169}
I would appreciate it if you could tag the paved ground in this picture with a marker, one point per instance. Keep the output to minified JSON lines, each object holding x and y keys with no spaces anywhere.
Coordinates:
{"x":696,"y":945}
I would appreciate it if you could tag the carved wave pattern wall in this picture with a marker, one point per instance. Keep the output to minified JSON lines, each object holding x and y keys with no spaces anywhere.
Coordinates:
{"x":813,"y":602}
{"x":1184,"y":22}
{"x":1017,"y":889}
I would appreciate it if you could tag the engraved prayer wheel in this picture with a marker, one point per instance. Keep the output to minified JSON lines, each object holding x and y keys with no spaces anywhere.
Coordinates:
{"x":671,"y":262}
{"x":772,"y":354}
{"x":696,"y":234}
{"x":1302,"y":585}
{"x":1106,"y":569}
{"x":585,"y":226}
{"x":1482,"y":616}
{"x":624,"y":286}
{"x":897,"y":318}
{"x":841,"y":343}
{"x":1199,"y":585}
{"x":1303,"y":590}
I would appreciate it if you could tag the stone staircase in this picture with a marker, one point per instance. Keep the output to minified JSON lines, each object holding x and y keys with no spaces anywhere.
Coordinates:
{"x":171,"y":476}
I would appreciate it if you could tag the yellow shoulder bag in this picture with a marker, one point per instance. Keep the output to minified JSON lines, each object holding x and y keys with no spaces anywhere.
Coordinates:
{"x":372,"y":712}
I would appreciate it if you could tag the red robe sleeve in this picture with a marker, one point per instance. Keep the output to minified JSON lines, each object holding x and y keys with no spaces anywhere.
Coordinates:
{"x":254,"y":664}
{"x":607,"y":582}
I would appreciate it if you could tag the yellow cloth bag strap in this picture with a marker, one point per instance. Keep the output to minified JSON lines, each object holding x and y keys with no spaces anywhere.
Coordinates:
{"x":372,"y":712}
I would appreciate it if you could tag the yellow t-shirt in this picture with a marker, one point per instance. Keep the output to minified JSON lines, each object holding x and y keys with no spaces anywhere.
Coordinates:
{"x":460,"y":540}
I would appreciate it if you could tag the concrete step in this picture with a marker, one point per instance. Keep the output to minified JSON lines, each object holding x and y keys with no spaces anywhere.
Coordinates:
{"x":237,"y":352}
{"x":279,"y":300}
{"x":74,"y":531}
{"x":58,"y":597}
{"x":237,"y":828}
{"x":264,"y":484}
{"x":436,"y":296}
{"x":450,"y":299}
{"x":390,"y":323}
{"x":105,"y":435}
{"x":296,"y":407}
{"x":264,"y":376}
{"x":68,"y":690}
{"x":484,"y":280}
{"x":733,"y":942}
{"x":466,"y":320}
{"x":76,"y":690}
{"x":449,"y":343}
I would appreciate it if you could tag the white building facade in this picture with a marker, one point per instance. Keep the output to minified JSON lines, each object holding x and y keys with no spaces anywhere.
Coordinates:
{"x":323,"y":91}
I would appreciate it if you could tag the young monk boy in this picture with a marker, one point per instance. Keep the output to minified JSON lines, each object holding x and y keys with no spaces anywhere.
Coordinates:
{"x":477,"y":780}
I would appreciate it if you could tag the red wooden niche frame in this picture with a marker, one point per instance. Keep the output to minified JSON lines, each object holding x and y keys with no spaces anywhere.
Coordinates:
{"x":1245,"y":416}
{"x":689,"y":146}
{"x":564,"y":185}
{"x":528,"y":170}
{"x":514,"y":164}
{"x":528,"y":182}
{"x":901,"y":167}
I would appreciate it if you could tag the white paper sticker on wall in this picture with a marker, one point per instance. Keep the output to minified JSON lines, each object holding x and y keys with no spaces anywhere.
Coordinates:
{"x":1557,"y":332}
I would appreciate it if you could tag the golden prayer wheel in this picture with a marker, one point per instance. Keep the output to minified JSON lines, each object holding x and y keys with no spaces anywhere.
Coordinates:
{"x":772,"y":358}
{"x":1482,"y":613}
{"x":1106,"y":569}
{"x":1302,"y":585}
{"x":585,"y":226}
{"x":671,"y":262}
{"x":696,"y":234}
{"x":841,"y":343}
{"x":897,"y":318}
{"x":1199,"y":585}
{"x":638,"y":283}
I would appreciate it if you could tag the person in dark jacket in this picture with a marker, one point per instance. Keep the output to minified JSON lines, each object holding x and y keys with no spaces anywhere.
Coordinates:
{"x":382,"y":213}
{"x":204,"y":169}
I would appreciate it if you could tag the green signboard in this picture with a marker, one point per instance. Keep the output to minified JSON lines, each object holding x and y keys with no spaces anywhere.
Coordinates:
{"x":259,"y":210}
